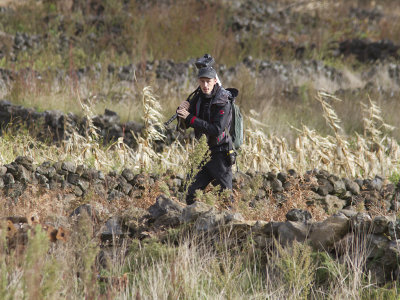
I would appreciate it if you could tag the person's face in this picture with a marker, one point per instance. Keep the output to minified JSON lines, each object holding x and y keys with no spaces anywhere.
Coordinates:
{"x":207,"y":84}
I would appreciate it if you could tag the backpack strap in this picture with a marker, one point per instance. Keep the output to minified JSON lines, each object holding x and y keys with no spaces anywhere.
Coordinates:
{"x":234,"y":93}
{"x":193,"y":94}
{"x":198,"y":104}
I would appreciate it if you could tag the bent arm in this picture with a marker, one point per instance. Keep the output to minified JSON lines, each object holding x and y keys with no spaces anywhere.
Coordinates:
{"x":218,"y":123}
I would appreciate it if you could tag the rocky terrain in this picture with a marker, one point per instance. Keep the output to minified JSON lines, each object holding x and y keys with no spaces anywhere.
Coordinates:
{"x":326,"y":211}
{"x":361,"y":210}
{"x":267,"y":21}
{"x":383,"y":76}
{"x":334,"y":211}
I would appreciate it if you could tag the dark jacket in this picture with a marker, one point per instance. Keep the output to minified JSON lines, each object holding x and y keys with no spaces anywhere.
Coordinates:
{"x":211,"y":115}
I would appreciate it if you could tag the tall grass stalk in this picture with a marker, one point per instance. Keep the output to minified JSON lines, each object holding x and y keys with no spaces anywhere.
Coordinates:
{"x":367,"y":155}
{"x":153,"y":130}
{"x":195,"y":271}
{"x":343,"y":160}
{"x":373,"y":153}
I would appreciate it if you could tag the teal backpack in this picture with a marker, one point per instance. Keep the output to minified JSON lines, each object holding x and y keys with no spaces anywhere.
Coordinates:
{"x":236,"y":130}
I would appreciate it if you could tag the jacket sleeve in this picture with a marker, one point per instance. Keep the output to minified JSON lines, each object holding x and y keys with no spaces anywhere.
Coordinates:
{"x":219,"y":120}
{"x":192,"y":112}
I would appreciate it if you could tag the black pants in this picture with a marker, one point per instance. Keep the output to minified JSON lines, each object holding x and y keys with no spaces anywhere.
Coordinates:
{"x":218,"y":171}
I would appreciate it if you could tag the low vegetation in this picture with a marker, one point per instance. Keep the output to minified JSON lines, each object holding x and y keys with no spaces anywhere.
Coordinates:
{"x":186,"y":269}
{"x":324,"y":131}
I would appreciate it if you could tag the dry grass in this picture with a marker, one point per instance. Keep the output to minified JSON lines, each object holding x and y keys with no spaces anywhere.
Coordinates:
{"x":375,"y":152}
{"x":271,"y":210}
{"x":160,"y":270}
{"x":10,"y":2}
{"x":190,"y":269}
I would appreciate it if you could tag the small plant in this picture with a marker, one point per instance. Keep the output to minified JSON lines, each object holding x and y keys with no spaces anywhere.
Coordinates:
{"x":210,"y":196}
{"x":394,"y":178}
{"x":40,"y":269}
{"x":327,"y":269}
{"x":85,"y":249}
{"x":296,"y":269}
{"x":164,"y":188}
{"x":199,"y":156}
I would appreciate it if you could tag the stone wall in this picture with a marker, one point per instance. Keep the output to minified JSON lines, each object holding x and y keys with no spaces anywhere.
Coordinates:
{"x":55,"y":126}
{"x":336,"y":234}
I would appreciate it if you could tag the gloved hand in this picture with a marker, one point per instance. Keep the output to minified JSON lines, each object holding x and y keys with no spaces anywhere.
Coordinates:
{"x":183,"y":113}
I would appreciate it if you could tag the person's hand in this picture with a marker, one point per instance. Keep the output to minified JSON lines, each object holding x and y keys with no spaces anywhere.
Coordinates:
{"x":183,"y":113}
{"x":184,"y":105}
